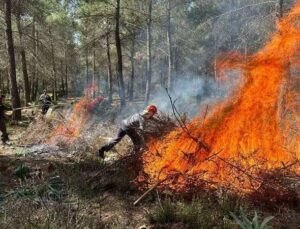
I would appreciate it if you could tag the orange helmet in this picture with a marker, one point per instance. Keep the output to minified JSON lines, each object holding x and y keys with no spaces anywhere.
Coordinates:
{"x":152,"y":108}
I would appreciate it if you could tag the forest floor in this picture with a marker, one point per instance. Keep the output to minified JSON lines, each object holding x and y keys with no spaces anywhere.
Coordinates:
{"x":48,"y":187}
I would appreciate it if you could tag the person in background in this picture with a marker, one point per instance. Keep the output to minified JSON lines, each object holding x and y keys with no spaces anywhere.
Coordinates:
{"x":45,"y":101}
{"x":131,"y":127}
{"x":3,"y":108}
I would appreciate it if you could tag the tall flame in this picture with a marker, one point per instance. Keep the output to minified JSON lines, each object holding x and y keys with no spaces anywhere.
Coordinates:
{"x":72,"y":124}
{"x":256,"y":129}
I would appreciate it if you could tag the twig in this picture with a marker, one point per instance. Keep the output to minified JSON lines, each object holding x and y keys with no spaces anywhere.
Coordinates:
{"x":239,"y":169}
{"x":149,"y":190}
{"x":200,"y":142}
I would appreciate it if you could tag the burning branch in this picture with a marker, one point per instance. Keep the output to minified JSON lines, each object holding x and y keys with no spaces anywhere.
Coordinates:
{"x":183,"y":126}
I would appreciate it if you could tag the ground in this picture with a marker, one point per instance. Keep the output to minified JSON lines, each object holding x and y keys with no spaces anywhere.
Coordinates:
{"x":42,"y":186}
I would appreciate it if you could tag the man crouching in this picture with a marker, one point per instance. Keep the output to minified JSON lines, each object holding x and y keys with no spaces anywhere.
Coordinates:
{"x":130,"y":127}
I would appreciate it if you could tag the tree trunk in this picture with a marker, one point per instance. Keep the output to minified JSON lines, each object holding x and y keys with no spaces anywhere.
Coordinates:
{"x":12,"y":62}
{"x":87,"y":66}
{"x":131,"y":85}
{"x":1,"y":82}
{"x":54,"y":72}
{"x":36,"y":88}
{"x":170,"y":47}
{"x":66,"y":70}
{"x":109,"y":71}
{"x":34,"y":80}
{"x":119,"y":57}
{"x":7,"y":81}
{"x":62,"y":78}
{"x":94,"y":73}
{"x":23,"y":57}
{"x":279,"y":9}
{"x":149,"y":55}
{"x":66,"y":80}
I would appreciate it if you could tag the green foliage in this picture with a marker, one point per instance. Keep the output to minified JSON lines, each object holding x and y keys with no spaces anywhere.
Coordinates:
{"x":246,"y":223}
{"x":163,"y":214}
{"x":20,"y":152}
{"x":22,"y":171}
{"x":191,"y":215}
{"x":199,"y":13}
{"x":199,"y":213}
{"x":22,"y":192}
{"x":53,"y":189}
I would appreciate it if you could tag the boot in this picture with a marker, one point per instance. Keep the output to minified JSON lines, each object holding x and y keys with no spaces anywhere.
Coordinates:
{"x":101,"y":152}
{"x":4,"y":139}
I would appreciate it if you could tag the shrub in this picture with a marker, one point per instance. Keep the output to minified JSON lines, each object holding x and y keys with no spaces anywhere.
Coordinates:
{"x":246,"y":223}
{"x":21,"y":171}
{"x":164,"y":213}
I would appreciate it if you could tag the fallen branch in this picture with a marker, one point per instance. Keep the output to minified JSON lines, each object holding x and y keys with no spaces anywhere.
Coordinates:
{"x":149,"y":190}
{"x":33,"y":106}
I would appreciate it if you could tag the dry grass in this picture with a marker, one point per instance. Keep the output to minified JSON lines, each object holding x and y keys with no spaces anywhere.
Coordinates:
{"x":100,"y":194}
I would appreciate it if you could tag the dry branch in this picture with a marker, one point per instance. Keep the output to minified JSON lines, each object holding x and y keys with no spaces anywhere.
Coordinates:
{"x":183,"y":126}
{"x":148,"y":191}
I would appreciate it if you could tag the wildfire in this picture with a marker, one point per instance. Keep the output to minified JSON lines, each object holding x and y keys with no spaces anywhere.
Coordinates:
{"x":72,"y":123}
{"x":256,"y":130}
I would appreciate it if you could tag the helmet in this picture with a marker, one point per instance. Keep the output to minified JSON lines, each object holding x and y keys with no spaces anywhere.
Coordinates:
{"x":152,"y":108}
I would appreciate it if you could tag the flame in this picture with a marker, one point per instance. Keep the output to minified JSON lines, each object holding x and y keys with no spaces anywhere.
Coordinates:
{"x":72,"y":124}
{"x":256,"y":130}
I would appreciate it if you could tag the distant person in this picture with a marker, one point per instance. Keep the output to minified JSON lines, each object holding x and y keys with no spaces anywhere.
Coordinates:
{"x":131,"y":127}
{"x":3,"y":108}
{"x":45,"y":101}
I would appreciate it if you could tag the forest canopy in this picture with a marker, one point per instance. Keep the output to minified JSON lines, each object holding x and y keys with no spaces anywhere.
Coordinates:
{"x":130,"y":49}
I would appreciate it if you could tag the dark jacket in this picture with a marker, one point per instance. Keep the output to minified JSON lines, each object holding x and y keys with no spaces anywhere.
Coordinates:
{"x":136,"y":121}
{"x":3,"y":108}
{"x":45,"y":99}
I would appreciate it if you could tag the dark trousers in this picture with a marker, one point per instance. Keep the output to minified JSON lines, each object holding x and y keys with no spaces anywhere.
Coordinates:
{"x":45,"y":108}
{"x":4,"y":136}
{"x":131,"y":133}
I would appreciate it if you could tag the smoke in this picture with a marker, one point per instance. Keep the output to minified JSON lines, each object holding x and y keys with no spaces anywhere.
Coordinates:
{"x":191,"y":93}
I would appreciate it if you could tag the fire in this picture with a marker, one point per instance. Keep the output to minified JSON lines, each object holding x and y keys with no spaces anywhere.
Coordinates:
{"x":257,"y":129}
{"x":72,"y":124}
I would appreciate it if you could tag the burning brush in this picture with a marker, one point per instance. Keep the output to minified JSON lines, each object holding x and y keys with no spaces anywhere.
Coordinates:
{"x":256,"y":131}
{"x":74,"y":121}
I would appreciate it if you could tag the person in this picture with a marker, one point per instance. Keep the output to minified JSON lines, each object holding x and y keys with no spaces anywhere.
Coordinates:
{"x":131,"y":127}
{"x":46,"y":101}
{"x":3,"y":108}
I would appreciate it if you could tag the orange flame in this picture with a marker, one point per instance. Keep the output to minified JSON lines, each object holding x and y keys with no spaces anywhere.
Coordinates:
{"x":256,"y":130}
{"x":71,"y":126}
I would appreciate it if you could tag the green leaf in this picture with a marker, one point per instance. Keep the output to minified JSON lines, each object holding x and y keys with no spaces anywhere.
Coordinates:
{"x":265,"y":222}
{"x":237,"y":220}
{"x":246,"y":221}
{"x":255,"y":221}
{"x":21,"y":171}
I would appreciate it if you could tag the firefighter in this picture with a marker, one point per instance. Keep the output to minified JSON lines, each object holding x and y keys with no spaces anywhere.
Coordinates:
{"x":3,"y":108}
{"x":46,"y":102}
{"x":133,"y":127}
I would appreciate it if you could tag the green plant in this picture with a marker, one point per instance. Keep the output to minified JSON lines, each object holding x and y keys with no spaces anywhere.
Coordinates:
{"x":246,"y":223}
{"x":53,"y":189}
{"x":19,"y":152}
{"x":21,"y":171}
{"x":19,"y":193}
{"x":191,"y":214}
{"x":163,"y":213}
